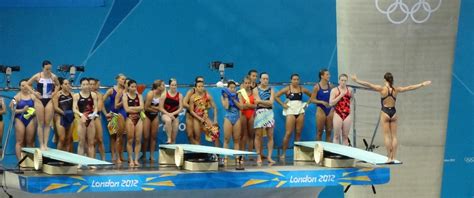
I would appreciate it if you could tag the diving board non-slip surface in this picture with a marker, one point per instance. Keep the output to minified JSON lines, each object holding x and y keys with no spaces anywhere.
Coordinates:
{"x":356,"y":153}
{"x":206,"y":149}
{"x":68,"y":157}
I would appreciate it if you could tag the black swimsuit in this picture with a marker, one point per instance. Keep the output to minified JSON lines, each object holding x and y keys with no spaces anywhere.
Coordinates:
{"x":133,"y":102}
{"x":65,"y":103}
{"x":86,"y":106}
{"x":390,"y":111}
{"x":295,"y":96}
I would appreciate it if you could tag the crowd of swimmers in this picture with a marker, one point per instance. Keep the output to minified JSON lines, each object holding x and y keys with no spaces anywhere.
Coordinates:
{"x":134,"y":119}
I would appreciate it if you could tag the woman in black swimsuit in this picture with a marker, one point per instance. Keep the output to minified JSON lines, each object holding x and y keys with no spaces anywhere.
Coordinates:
{"x":170,"y":108}
{"x":85,"y":106}
{"x":47,"y":85}
{"x":294,"y":109}
{"x":388,"y":116}
{"x":133,"y":104}
{"x":63,"y":102}
{"x":151,"y":122}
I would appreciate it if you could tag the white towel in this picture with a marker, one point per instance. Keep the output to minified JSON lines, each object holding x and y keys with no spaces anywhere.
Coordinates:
{"x":295,"y":107}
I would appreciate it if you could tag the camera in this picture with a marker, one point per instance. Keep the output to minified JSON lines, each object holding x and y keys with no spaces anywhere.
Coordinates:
{"x":6,"y":69}
{"x":216,"y":65}
{"x":67,"y":68}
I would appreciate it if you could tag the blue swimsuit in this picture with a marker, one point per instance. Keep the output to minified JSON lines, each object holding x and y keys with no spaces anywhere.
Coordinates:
{"x":21,"y":104}
{"x":323,"y":95}
{"x":121,"y":110}
{"x":233,"y":112}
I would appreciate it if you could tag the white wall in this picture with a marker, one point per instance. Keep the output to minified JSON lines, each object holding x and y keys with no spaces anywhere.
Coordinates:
{"x":370,"y":45}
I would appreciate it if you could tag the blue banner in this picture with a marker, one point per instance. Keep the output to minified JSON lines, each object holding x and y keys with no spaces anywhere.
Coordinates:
{"x":52,"y":3}
{"x":459,"y":150}
{"x":206,"y":180}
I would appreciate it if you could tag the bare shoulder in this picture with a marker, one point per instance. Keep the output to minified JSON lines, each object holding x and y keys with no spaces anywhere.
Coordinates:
{"x":316,"y":87}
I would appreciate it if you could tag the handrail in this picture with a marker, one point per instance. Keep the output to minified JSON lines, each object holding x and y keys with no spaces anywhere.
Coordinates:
{"x":10,"y":127}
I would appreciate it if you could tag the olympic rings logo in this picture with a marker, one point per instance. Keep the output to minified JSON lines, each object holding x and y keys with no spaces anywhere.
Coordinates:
{"x":469,"y":159}
{"x":409,"y":12}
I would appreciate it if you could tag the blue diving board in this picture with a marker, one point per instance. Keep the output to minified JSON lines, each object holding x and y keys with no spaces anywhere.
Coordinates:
{"x":68,"y":157}
{"x":206,"y":149}
{"x":352,"y":152}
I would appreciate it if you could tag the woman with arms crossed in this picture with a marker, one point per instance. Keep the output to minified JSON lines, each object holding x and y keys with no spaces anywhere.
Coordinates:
{"x":133,"y":105}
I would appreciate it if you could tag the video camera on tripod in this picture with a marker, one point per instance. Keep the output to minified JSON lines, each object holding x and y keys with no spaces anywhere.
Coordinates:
{"x":220,"y":66}
{"x":71,"y":69}
{"x":7,"y":70}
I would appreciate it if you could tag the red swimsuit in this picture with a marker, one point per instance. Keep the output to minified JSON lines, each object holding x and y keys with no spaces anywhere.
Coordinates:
{"x":343,"y":107}
{"x":248,"y":113}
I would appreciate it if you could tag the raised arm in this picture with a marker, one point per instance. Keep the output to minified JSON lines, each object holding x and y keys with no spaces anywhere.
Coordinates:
{"x":413,"y":87}
{"x":367,"y":84}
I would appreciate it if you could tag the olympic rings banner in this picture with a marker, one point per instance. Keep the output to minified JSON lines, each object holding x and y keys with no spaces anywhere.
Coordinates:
{"x":418,"y":12}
